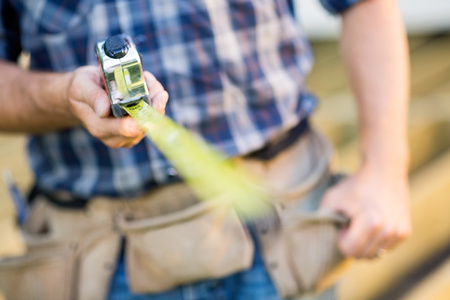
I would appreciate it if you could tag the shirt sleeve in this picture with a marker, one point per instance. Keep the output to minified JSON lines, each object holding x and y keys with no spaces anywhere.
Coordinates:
{"x":10,"y":46}
{"x":338,"y":6}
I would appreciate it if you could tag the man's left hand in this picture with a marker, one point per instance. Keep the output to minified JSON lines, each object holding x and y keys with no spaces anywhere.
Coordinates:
{"x":379,"y":209}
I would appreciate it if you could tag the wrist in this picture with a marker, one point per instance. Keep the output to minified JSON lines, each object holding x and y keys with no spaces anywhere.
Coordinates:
{"x":65,"y":81}
{"x":53,"y":96}
{"x":390,"y":166}
{"x":386,"y":151}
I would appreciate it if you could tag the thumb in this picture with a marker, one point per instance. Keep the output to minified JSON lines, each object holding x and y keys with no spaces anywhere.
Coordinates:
{"x":89,"y":82}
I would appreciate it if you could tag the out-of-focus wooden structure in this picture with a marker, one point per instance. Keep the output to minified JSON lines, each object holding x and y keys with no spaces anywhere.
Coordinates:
{"x":420,"y":267}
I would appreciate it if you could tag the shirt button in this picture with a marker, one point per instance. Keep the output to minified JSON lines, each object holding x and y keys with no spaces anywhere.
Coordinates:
{"x":172,"y":172}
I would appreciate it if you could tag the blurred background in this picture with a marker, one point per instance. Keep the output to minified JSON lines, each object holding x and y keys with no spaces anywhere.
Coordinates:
{"x":419,"y":268}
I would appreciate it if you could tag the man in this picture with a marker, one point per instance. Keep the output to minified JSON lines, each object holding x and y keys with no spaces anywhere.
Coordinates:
{"x":235,"y":73}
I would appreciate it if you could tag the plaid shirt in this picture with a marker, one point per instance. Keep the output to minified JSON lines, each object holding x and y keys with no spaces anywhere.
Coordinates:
{"x":234,"y":69}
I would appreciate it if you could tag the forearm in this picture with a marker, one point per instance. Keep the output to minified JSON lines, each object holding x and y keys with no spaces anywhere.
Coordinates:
{"x":33,"y":102}
{"x":375,"y":52}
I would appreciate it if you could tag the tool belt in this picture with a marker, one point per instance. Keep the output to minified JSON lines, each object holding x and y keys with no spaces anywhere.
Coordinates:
{"x":172,"y":238}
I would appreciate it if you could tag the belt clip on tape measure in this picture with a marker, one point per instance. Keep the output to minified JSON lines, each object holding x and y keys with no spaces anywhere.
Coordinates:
{"x":121,"y":65}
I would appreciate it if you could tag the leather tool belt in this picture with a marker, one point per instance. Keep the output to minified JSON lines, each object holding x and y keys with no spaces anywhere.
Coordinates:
{"x":172,"y":238}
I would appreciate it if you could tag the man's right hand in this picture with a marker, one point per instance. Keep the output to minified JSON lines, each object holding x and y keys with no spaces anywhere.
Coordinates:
{"x":89,"y":103}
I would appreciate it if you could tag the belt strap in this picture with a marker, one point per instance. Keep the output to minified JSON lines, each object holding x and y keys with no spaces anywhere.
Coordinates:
{"x":272,"y":149}
{"x":73,"y":202}
{"x":266,"y":153}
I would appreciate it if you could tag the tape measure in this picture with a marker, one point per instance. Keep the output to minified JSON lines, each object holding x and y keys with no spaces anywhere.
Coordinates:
{"x":209,"y":173}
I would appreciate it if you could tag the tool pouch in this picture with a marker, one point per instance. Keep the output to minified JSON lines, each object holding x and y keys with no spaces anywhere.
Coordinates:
{"x":62,"y":262}
{"x":203,"y":241}
{"x":310,"y":241}
{"x":299,"y":242}
{"x":47,"y":271}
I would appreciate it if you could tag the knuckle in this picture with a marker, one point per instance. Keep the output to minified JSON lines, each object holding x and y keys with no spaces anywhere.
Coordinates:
{"x":390,"y":234}
{"x":130,"y":129}
{"x":347,"y":251}
{"x":403,"y":234}
{"x":135,"y":133}
{"x":374,"y":225}
{"x":96,"y":133}
{"x":131,"y":132}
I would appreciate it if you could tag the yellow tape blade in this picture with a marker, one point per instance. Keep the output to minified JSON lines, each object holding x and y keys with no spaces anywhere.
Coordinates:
{"x":207,"y":172}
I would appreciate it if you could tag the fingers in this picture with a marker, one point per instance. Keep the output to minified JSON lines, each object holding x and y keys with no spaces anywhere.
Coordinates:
{"x":90,"y":103}
{"x":159,"y":102}
{"x":379,"y":215}
{"x":354,"y":239}
{"x":382,"y":241}
{"x":366,"y":239}
{"x":157,"y":94}
{"x":387,"y":239}
{"x":113,"y":132}
{"x":120,"y":142}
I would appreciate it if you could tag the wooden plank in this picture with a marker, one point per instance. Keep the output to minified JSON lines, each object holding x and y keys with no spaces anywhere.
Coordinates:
{"x":415,"y":42}
{"x":429,"y":122}
{"x":443,"y":294}
{"x":434,"y":287}
{"x":444,"y":87}
{"x":430,"y":189}
{"x":10,"y":142}
{"x":430,"y":84}
{"x":13,"y":157}
{"x":324,"y":51}
{"x":337,"y":118}
{"x":429,"y":65}
{"x":425,"y":142}
{"x":328,"y":76}
{"x":17,"y":162}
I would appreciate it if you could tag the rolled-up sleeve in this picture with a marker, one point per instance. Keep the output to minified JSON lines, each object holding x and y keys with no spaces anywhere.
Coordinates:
{"x":10,"y":46}
{"x":338,"y":6}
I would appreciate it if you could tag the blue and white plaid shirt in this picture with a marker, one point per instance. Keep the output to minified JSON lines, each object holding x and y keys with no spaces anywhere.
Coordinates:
{"x":234,"y":69}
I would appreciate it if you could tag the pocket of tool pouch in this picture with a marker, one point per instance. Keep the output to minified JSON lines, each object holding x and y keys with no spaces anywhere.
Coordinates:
{"x":46,"y":271}
{"x":206,"y":240}
{"x":311,"y":243}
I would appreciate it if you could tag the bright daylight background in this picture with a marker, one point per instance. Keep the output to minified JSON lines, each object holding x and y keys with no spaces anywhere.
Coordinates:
{"x":420,"y":268}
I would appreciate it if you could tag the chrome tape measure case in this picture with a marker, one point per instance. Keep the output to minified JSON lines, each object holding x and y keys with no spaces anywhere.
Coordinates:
{"x":122,"y":70}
